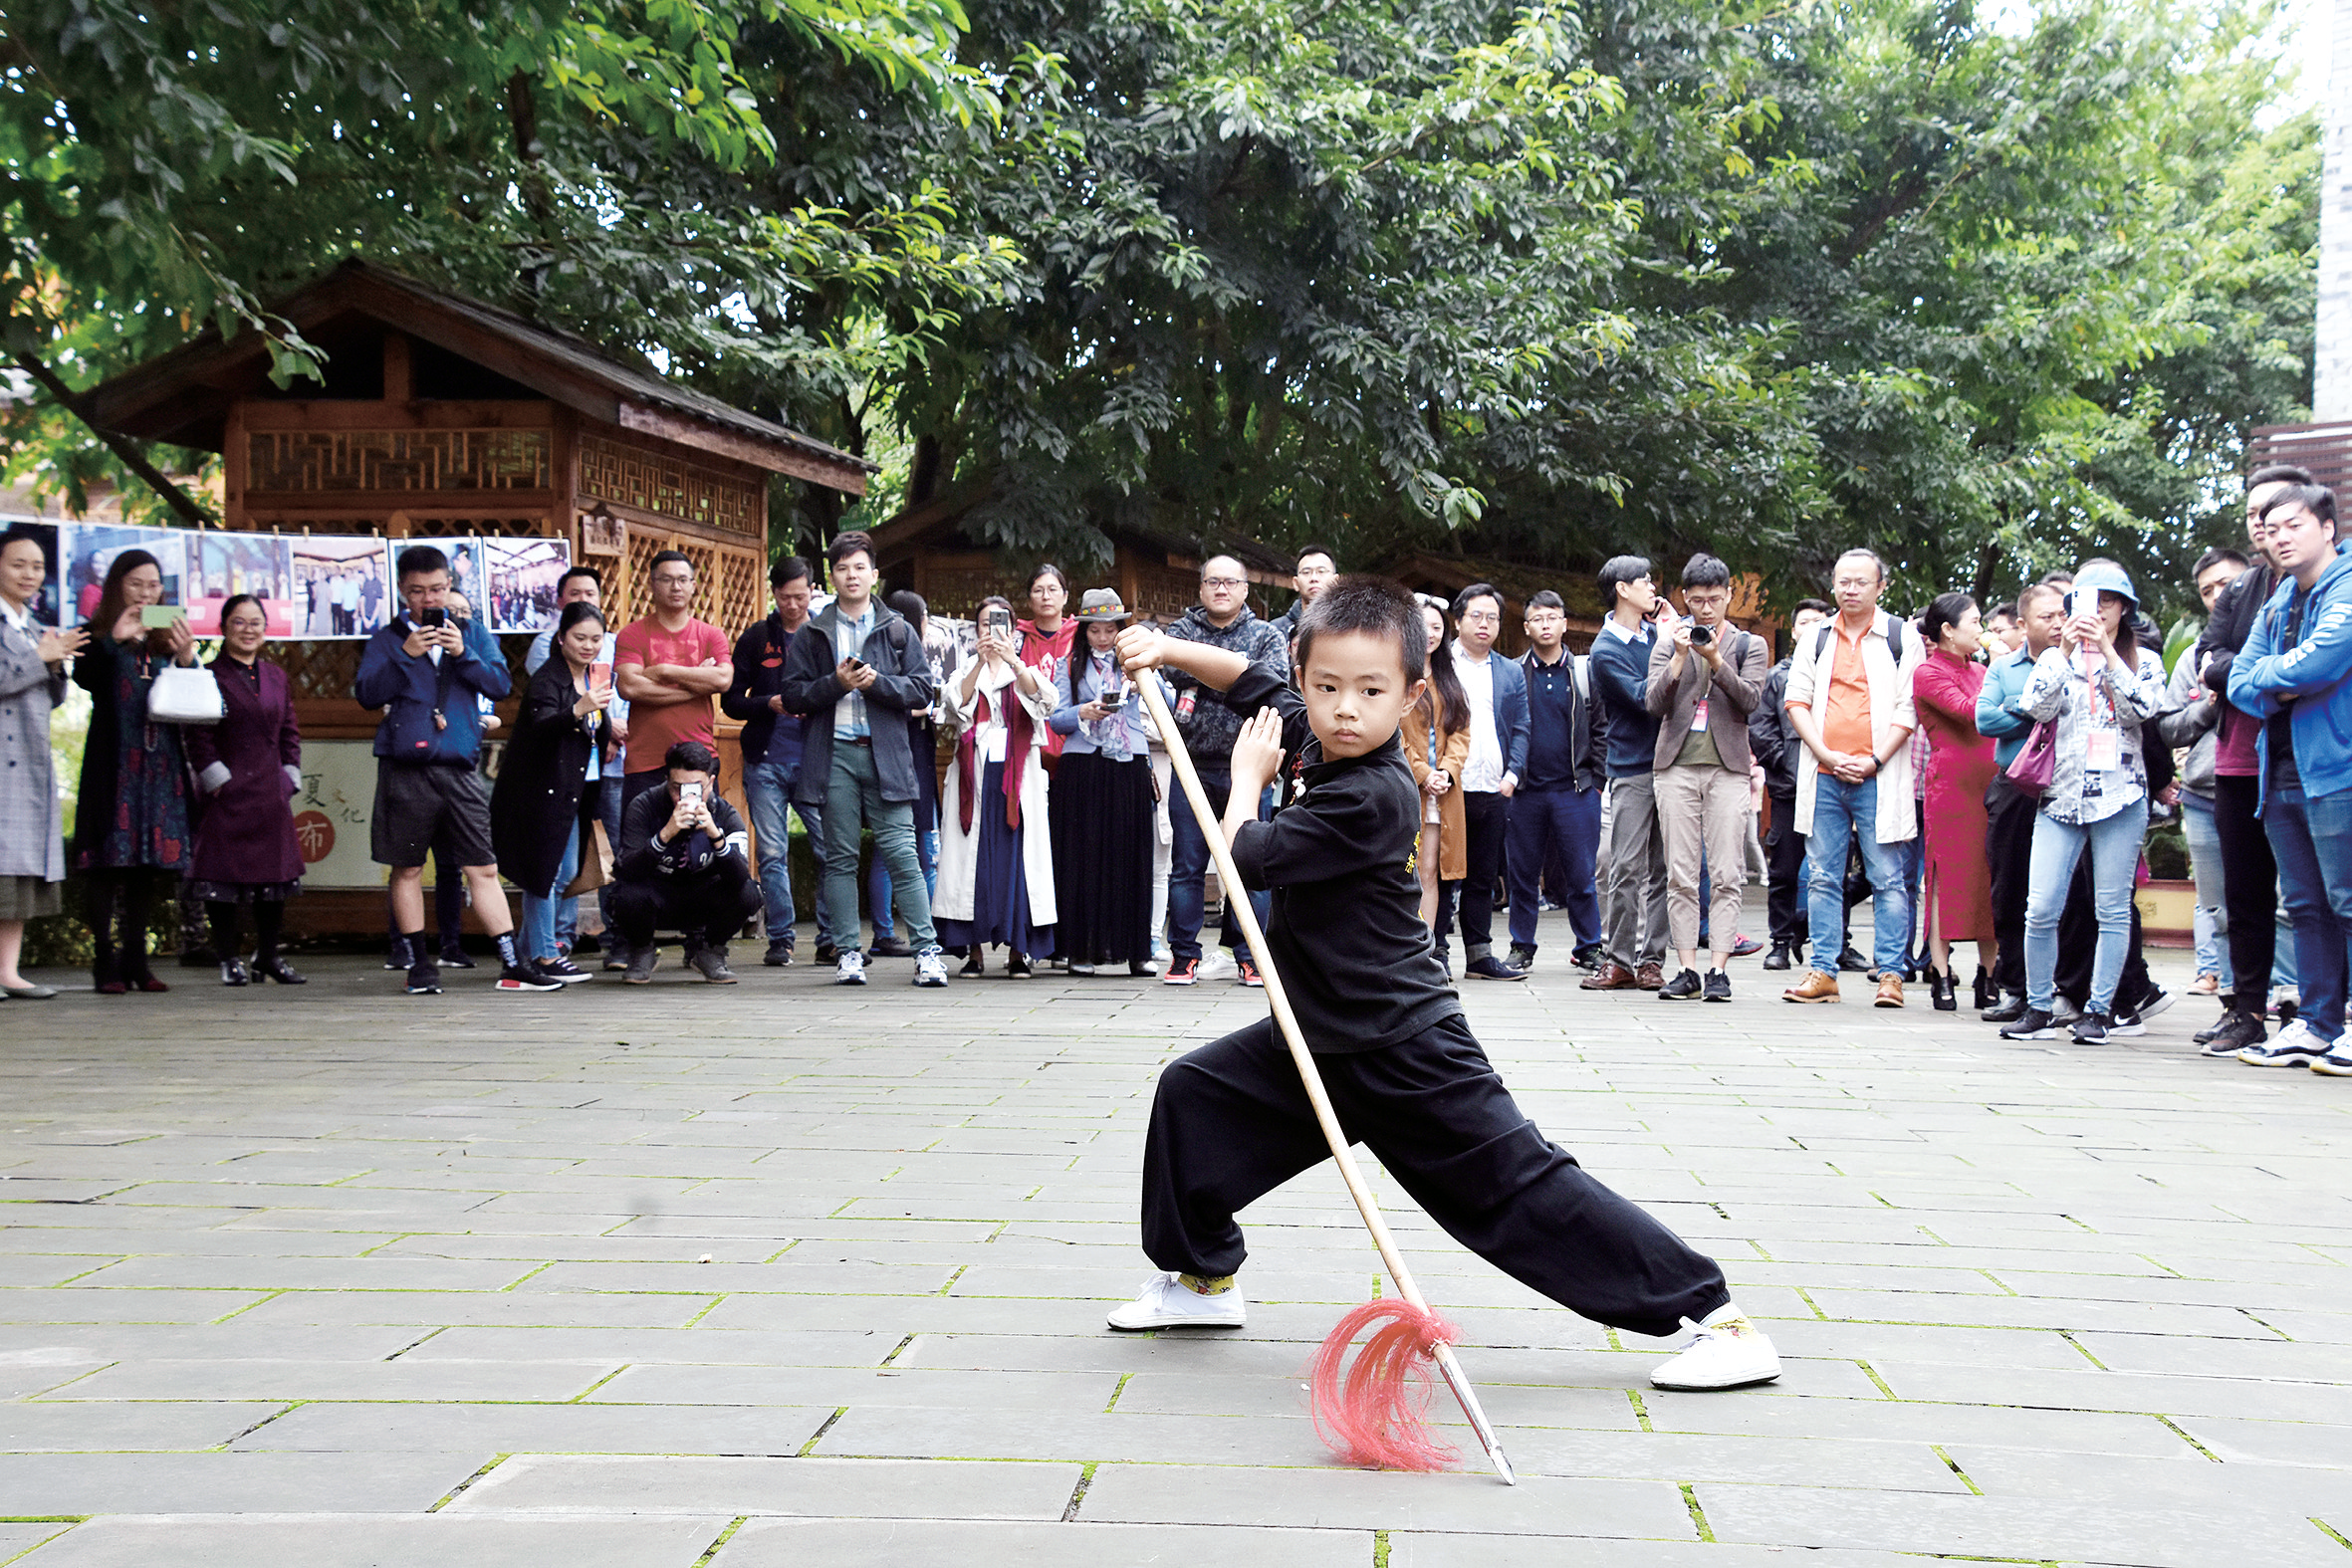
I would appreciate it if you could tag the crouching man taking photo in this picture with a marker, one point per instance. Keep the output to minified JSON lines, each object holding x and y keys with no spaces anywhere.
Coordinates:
{"x":682,"y":867}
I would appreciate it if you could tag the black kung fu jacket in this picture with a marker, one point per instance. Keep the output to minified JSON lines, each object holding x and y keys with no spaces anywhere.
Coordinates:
{"x":1347,"y":931}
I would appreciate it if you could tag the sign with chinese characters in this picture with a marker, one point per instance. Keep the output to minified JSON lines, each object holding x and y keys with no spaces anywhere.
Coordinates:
{"x":331,"y":812}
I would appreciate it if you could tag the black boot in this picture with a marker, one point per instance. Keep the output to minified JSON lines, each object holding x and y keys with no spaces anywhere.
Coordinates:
{"x":1778,"y":956}
{"x":1942,"y":989}
{"x":1987,"y":992}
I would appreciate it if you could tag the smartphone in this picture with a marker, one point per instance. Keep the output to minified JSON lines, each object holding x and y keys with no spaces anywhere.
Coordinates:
{"x":158,"y":616}
{"x":2073,"y":603}
{"x":691,"y":794}
{"x":600,"y":674}
{"x":1000,"y":623}
{"x":437,"y":616}
{"x":1114,"y":702}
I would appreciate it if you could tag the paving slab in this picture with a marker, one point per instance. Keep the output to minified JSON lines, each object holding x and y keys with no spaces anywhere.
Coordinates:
{"x":601,"y":1285}
{"x":319,"y":1540}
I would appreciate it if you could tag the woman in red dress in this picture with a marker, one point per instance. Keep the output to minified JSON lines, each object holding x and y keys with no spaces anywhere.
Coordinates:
{"x":1959,"y":897}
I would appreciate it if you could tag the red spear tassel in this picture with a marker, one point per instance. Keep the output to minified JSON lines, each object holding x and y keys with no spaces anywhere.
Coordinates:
{"x":1375,"y":1413}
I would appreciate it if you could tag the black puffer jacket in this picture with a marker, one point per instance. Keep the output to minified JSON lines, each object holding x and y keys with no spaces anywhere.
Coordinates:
{"x":1215,"y":723}
{"x":2235,"y":613}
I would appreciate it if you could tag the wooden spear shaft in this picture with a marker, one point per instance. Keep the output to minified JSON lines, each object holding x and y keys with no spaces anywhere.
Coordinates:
{"x":1237,"y":900}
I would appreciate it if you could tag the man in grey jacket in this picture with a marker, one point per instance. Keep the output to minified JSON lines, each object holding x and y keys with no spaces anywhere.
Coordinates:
{"x":857,"y":669}
{"x":1222,"y":619}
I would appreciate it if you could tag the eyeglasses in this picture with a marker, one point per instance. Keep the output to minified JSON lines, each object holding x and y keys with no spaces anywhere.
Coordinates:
{"x":1480,"y":619}
{"x":1224,"y":582}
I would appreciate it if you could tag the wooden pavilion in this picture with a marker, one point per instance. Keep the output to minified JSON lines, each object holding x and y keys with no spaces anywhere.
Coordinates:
{"x":441,"y":415}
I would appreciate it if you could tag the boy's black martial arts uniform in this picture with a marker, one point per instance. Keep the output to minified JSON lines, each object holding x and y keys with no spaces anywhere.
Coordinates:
{"x":1230,"y":1122}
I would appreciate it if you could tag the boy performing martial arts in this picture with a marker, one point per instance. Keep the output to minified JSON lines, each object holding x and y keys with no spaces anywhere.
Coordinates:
{"x":1231,"y":1121}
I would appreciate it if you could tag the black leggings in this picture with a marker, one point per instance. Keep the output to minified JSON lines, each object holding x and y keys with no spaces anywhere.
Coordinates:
{"x":121,"y":901}
{"x":2250,"y":895}
{"x":269,"y":918}
{"x":1230,"y":1123}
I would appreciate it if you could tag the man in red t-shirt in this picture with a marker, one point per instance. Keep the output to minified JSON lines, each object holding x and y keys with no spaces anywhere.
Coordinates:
{"x":669,"y":666}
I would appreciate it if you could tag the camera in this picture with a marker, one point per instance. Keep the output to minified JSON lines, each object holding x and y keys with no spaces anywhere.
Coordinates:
{"x":1113,"y":701}
{"x":1701,"y":636}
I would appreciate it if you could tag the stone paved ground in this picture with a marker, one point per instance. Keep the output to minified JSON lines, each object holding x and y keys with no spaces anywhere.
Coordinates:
{"x":789,"y":1275}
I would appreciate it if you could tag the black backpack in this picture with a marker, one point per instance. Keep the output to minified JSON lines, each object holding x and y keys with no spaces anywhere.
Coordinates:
{"x":1894,"y":639}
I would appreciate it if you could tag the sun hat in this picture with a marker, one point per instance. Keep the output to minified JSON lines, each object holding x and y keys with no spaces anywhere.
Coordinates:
{"x":1102,"y":604}
{"x":2104,"y":577}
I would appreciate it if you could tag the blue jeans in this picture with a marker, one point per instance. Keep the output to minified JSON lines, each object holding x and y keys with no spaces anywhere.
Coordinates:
{"x":877,"y":879}
{"x":2312,"y":837}
{"x":2115,"y":858}
{"x":1188,"y":864}
{"x":538,"y":913}
{"x":1543,"y":823}
{"x":853,"y":802}
{"x":2205,"y":869}
{"x":768,"y":791}
{"x":1843,"y":813}
{"x":608,"y":791}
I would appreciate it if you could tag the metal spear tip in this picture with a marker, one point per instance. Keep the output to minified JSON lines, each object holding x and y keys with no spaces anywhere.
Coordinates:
{"x":1503,"y":1466}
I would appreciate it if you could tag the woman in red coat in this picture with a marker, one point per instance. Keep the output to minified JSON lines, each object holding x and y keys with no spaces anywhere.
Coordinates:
{"x":1959,"y":897}
{"x":248,"y":767}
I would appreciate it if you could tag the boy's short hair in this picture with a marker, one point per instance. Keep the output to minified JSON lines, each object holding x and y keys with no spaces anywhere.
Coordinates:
{"x":1706,"y":571}
{"x":421,"y":561}
{"x":690,"y":757}
{"x":846,"y":545}
{"x":1616,"y":572}
{"x":788,"y":569}
{"x":1544,"y":599}
{"x":1379,"y":606}
{"x":2319,"y":500}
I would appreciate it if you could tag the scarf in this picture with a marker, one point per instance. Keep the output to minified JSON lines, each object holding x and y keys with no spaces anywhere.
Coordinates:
{"x":990,"y":703}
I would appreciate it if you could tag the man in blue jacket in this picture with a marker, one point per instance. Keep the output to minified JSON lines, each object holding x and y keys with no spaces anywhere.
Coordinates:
{"x":1498,"y":692}
{"x":1556,"y":810}
{"x":427,"y":670}
{"x":2290,"y":675}
{"x":1634,"y":903}
{"x":2008,"y":811}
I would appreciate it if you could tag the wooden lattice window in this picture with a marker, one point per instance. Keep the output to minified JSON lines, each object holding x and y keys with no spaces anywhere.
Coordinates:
{"x":669,"y":487}
{"x":327,"y":460}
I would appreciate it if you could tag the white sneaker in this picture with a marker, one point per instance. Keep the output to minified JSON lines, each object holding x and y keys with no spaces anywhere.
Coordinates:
{"x":1168,"y":1302}
{"x":2294,"y":1046}
{"x":2337,"y":1063}
{"x":930,"y":968}
{"x":852,"y":970}
{"x":1730,"y":1353}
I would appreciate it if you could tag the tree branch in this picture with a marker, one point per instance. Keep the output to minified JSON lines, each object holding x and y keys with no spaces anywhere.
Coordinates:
{"x":189,"y":509}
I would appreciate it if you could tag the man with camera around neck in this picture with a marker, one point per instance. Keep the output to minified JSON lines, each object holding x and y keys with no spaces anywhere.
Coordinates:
{"x":857,"y":670}
{"x":433,"y":674}
{"x":683,"y":863}
{"x":1706,"y":676}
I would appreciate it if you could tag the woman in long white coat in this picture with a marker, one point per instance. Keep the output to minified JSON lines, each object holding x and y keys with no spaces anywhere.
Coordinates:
{"x":995,"y":849}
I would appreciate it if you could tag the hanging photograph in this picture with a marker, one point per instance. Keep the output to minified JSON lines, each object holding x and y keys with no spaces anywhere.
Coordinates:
{"x":46,"y":605}
{"x":339,"y":586}
{"x":521,"y":578}
{"x":89,"y":551}
{"x":223,"y":565}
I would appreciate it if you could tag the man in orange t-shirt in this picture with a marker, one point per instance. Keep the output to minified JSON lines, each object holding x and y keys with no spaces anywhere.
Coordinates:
{"x":1849,"y":703}
{"x":670,"y":667}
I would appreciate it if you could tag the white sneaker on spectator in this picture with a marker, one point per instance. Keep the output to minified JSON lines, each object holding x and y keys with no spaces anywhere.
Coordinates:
{"x":1730,"y":1353}
{"x":930,"y":968}
{"x":851,"y":969}
{"x":1168,"y":1302}
{"x":1217,"y":962}
{"x":2294,"y":1046}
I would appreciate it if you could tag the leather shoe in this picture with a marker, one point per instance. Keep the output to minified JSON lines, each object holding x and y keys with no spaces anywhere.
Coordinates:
{"x":1650,"y":977}
{"x":1778,"y":956}
{"x":1610,"y":976}
{"x":1815,"y":987}
{"x":1890,"y":991}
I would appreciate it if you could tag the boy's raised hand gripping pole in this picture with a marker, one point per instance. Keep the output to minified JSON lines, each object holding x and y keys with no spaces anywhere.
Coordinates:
{"x":1373,"y":1422}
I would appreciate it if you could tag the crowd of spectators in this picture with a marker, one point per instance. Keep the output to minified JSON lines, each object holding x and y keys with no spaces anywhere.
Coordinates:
{"x":1982,"y":777}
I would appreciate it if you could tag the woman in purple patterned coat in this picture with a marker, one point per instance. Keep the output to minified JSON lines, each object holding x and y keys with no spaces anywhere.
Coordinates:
{"x":249,"y":766}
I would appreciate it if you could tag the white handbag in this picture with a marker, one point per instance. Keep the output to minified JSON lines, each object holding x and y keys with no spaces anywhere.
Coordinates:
{"x":185,"y":694}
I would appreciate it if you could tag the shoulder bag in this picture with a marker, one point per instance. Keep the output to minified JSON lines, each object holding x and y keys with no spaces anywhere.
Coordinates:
{"x":185,"y":694}
{"x":2037,"y":765}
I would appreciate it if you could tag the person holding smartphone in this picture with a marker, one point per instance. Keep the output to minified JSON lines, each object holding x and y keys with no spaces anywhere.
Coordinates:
{"x":996,"y":855}
{"x":684,"y":864}
{"x":1102,"y":802}
{"x":131,"y":828}
{"x":549,"y":783}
